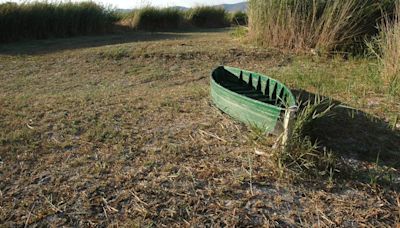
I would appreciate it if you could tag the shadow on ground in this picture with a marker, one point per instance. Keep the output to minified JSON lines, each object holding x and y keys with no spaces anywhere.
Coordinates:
{"x":352,"y":133}
{"x":36,"y":47}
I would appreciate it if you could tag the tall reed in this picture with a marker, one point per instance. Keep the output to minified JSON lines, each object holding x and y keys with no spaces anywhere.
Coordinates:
{"x":302,"y":25}
{"x":389,"y":44}
{"x":38,"y":20}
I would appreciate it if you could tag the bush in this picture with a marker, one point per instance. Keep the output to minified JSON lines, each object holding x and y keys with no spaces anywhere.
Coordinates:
{"x":151,"y":18}
{"x":208,"y":17}
{"x":239,"y":18}
{"x":39,"y":20}
{"x":326,"y":25}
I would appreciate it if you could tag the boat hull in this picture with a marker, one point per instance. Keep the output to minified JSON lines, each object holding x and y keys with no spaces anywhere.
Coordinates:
{"x":250,"y":97}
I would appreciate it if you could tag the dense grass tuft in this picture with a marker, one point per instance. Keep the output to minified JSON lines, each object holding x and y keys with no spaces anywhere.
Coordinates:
{"x":38,"y":20}
{"x":389,"y":50}
{"x":302,"y":154}
{"x":208,"y":17}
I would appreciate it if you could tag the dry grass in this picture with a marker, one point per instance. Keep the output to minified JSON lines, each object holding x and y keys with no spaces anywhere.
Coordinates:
{"x":125,"y":135}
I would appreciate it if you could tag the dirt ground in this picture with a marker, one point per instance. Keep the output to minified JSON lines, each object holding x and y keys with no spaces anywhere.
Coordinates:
{"x":120,"y":131}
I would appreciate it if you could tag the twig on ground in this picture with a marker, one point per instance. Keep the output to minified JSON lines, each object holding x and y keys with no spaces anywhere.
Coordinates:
{"x":212,"y":135}
{"x":29,"y":216}
{"x":137,"y":197}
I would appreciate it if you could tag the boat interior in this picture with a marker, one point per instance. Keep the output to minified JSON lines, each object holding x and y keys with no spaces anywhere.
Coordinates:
{"x":250,"y":89}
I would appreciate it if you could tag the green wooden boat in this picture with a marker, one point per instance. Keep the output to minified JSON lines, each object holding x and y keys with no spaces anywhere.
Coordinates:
{"x":252,"y":98}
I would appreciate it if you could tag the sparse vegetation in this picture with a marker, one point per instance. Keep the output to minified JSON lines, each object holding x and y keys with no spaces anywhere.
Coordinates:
{"x":119,"y":130}
{"x":124,"y":134}
{"x":39,"y":20}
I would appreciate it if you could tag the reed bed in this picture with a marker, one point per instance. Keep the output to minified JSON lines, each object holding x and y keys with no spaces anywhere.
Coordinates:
{"x":39,"y":20}
{"x":208,"y":17}
{"x":323,"y":25}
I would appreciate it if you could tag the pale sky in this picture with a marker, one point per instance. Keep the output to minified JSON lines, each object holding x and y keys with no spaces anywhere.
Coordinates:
{"x":127,"y":4}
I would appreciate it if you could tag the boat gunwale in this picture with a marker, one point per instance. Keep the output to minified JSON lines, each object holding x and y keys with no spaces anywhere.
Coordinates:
{"x":264,"y":112}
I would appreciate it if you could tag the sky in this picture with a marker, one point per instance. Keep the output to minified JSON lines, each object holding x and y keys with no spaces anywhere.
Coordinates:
{"x":128,"y":4}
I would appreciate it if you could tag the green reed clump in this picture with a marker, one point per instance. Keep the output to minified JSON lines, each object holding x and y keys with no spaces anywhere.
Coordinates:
{"x":303,"y":155}
{"x":39,"y":20}
{"x":152,"y":18}
{"x":388,"y":49}
{"x":208,"y":17}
